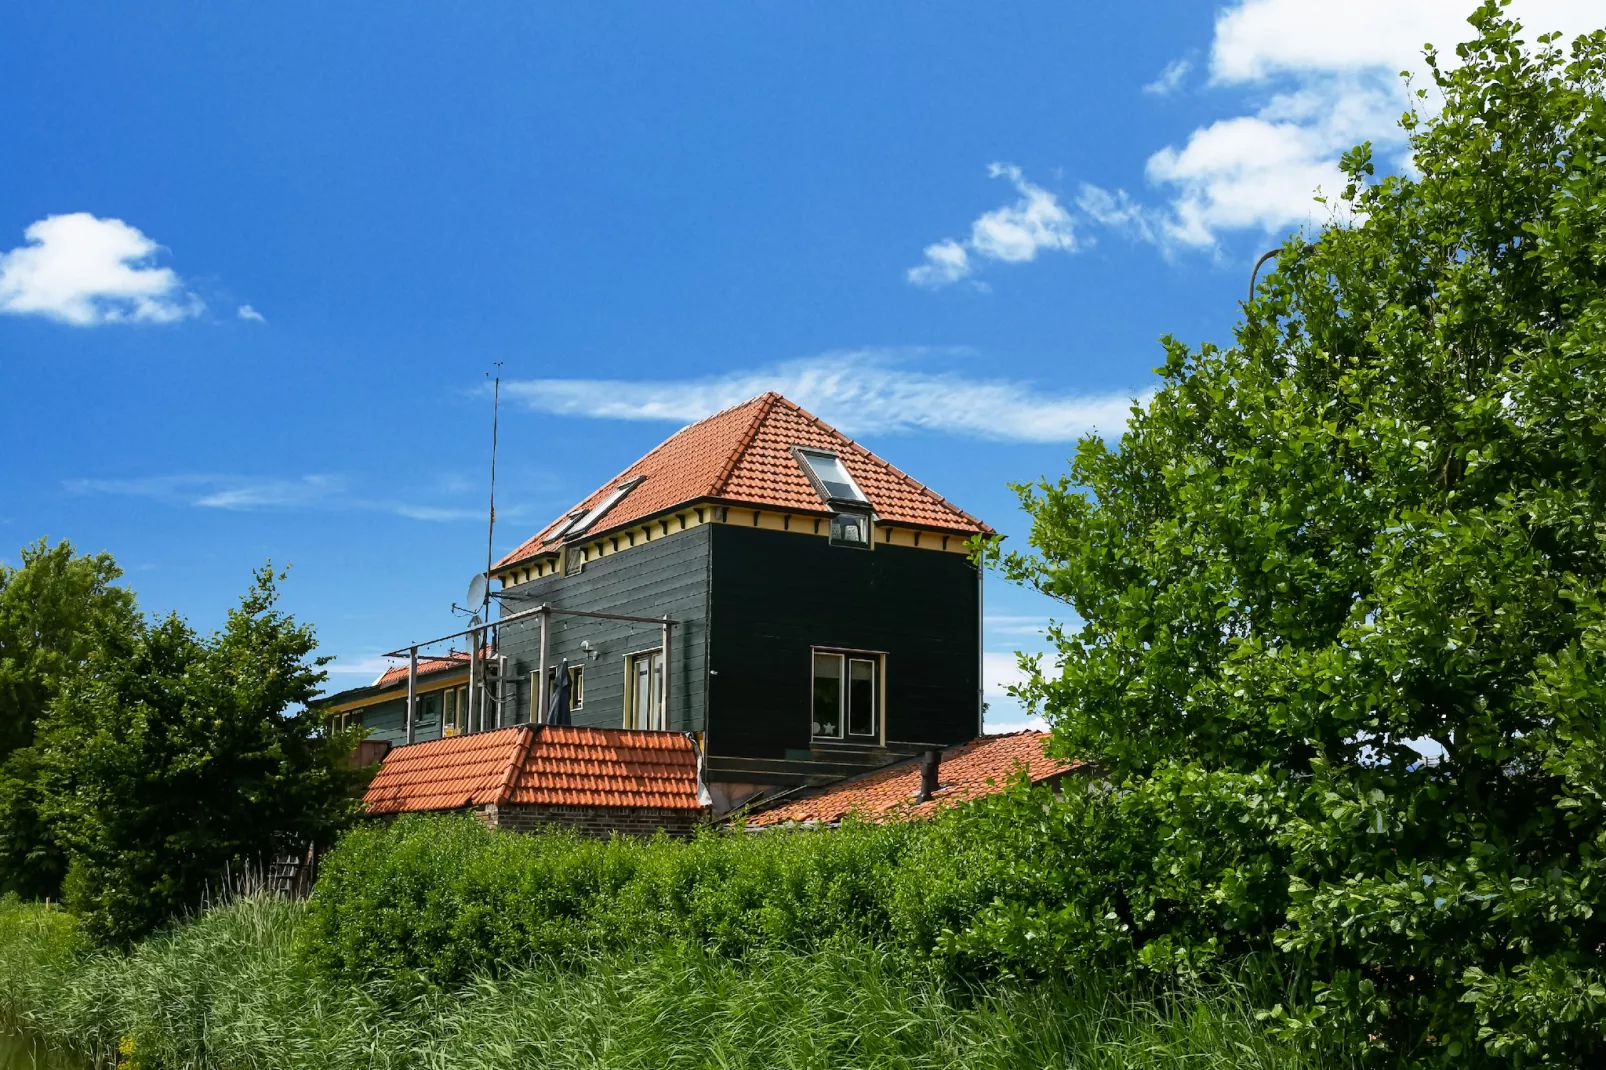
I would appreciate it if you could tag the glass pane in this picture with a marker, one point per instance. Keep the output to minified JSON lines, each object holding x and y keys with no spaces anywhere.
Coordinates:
{"x":655,"y":716}
{"x":850,"y":528}
{"x":641,"y":693}
{"x":577,"y":687}
{"x":828,"y":695}
{"x":833,"y":477}
{"x":861,"y":697}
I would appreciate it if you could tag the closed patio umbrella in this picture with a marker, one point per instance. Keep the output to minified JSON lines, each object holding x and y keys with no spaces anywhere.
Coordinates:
{"x":557,"y":711}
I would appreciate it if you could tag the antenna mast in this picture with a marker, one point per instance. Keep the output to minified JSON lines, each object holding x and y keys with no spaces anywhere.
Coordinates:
{"x":490,"y":532}
{"x":479,"y":697}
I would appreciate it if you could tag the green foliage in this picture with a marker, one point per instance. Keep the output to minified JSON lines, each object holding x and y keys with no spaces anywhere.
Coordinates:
{"x":55,"y":611}
{"x":1019,"y":884}
{"x":1378,"y":519}
{"x":227,"y":990}
{"x":442,"y":898}
{"x":172,"y":756}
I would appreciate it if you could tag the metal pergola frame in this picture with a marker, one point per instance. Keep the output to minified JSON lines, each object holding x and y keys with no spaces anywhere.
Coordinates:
{"x":544,"y":612}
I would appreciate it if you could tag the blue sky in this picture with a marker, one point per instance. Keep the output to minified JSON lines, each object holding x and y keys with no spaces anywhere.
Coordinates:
{"x":256,"y":263}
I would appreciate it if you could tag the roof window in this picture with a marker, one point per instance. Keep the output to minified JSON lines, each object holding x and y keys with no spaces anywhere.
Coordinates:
{"x":829,"y":476}
{"x":614,"y":497}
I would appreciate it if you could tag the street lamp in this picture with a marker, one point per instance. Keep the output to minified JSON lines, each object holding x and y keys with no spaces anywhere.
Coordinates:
{"x":1305,"y":250}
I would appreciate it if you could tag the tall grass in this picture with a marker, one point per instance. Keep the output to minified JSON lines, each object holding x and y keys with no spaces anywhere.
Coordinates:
{"x":228,"y":990}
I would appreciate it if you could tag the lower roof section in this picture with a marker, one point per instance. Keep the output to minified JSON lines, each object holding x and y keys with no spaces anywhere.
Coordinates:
{"x":539,"y":765}
{"x":983,"y":766}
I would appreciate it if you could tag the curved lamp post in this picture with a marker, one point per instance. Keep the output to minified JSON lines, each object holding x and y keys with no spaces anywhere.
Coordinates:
{"x":1305,"y":250}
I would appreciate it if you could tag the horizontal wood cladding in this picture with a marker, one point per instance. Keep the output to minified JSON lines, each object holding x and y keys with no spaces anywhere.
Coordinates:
{"x":775,"y":597}
{"x":687,"y":517}
{"x":664,"y":577}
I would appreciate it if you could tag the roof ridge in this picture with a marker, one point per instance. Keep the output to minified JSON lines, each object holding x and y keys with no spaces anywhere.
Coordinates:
{"x":894,"y":469}
{"x":510,"y":777}
{"x":767,"y":402}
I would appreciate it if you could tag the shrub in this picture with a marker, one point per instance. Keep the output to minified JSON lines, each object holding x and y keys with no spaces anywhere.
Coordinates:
{"x":442,"y":897}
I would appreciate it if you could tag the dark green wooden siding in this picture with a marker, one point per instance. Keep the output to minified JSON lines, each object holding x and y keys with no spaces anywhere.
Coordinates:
{"x":667,"y":577}
{"x":777,"y":594}
{"x":388,"y":720}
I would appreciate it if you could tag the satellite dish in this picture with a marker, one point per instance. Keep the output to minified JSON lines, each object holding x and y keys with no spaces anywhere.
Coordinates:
{"x":478,"y":588}
{"x":474,"y":621}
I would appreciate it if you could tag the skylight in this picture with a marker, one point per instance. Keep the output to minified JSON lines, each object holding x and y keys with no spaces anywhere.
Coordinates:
{"x":830,"y":476}
{"x":614,"y":497}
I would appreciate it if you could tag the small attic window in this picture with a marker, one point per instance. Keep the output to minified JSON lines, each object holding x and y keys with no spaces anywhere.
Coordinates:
{"x":614,"y":497}
{"x":829,"y":476}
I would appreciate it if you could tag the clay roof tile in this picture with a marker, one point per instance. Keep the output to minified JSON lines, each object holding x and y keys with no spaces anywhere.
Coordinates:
{"x":555,"y":765}
{"x":983,"y":766}
{"x":743,"y":455}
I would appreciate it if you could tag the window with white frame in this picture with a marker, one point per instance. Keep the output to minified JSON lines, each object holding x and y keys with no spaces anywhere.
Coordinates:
{"x":644,"y":690}
{"x":847,"y":695}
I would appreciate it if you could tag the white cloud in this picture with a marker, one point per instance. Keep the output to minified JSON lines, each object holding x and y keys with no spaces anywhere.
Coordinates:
{"x":1005,"y":713}
{"x":246,"y":312}
{"x":946,"y":261}
{"x":1000,"y":670}
{"x":1170,"y":79}
{"x":1259,"y":38}
{"x":85,"y":271}
{"x":863,"y":391}
{"x":256,"y":494}
{"x":1014,"y":233}
{"x":1331,"y":74}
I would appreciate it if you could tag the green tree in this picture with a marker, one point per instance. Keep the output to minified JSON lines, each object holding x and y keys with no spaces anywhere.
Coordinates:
{"x":1372,"y":528}
{"x":175,"y":756}
{"x":56,"y":609}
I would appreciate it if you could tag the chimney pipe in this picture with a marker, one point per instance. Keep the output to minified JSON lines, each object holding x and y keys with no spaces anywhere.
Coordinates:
{"x":930,"y":763}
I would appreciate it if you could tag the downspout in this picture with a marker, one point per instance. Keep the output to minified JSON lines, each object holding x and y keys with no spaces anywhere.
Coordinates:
{"x":981,"y":657}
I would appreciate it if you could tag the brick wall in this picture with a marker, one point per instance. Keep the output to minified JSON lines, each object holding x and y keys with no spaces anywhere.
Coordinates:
{"x":593,"y":820}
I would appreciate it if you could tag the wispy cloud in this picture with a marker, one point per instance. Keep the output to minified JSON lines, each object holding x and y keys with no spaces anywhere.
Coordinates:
{"x":246,"y":312}
{"x":1170,"y":79}
{"x":371,"y":665}
{"x":85,"y":271}
{"x":1013,"y":233}
{"x":861,"y":392}
{"x":319,"y":492}
{"x":1014,"y":624}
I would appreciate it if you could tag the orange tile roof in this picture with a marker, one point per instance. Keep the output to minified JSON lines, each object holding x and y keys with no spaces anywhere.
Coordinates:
{"x":398,"y":674}
{"x":551,"y":765}
{"x":743,"y":455}
{"x":982,"y":766}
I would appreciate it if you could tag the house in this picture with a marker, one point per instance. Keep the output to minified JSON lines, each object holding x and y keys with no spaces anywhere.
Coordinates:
{"x":441,"y":705}
{"x":759,"y":583}
{"x":827,"y":616}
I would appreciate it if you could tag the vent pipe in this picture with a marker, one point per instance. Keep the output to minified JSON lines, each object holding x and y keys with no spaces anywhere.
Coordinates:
{"x":930,"y":764}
